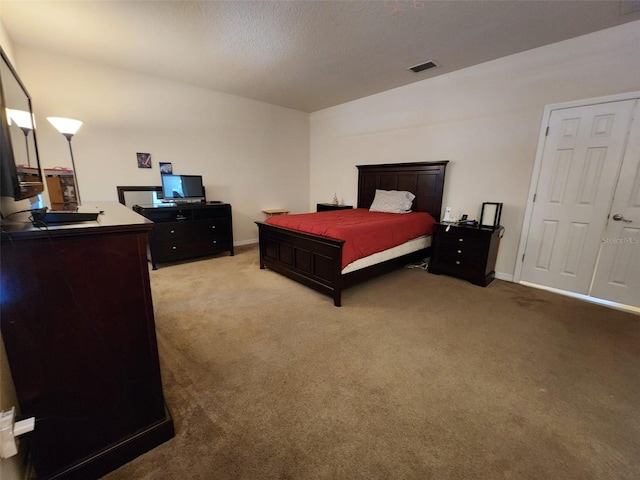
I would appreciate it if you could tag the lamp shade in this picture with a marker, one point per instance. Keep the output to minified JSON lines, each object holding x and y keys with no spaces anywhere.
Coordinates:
{"x":21,"y":118}
{"x":66,"y":126}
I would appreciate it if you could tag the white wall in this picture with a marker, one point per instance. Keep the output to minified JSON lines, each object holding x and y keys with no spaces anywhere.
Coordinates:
{"x":484,"y":119}
{"x":250,"y":154}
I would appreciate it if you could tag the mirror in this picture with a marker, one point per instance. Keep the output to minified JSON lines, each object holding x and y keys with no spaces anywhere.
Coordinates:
{"x":20,"y":174}
{"x":130,"y":196}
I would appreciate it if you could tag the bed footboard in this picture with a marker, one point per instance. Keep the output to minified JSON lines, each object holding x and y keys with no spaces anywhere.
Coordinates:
{"x":312,"y":260}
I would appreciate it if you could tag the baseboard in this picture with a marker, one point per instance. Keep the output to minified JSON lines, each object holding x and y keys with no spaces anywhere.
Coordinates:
{"x":251,"y":241}
{"x":587,"y":298}
{"x":504,"y":276}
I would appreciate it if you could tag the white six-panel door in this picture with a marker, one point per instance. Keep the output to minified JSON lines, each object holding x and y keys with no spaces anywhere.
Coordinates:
{"x":617,"y":276}
{"x":579,"y":170}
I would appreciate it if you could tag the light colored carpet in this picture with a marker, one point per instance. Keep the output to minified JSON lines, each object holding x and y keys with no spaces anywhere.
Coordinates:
{"x":417,"y":376}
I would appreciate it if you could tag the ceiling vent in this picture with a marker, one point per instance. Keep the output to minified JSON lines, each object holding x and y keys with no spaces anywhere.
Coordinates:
{"x":423,"y":66}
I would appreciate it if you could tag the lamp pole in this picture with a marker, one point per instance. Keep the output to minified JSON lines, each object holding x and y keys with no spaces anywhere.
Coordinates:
{"x":69,"y":136}
{"x":26,"y":142}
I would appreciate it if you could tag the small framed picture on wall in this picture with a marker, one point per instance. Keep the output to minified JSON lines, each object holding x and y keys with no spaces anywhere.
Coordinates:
{"x":166,"y":168}
{"x":144,"y":160}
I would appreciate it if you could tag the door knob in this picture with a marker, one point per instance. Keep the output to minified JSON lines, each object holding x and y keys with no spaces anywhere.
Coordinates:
{"x":619,"y":218}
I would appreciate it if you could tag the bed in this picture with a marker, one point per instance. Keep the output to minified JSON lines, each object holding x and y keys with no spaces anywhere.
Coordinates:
{"x":316,"y":261}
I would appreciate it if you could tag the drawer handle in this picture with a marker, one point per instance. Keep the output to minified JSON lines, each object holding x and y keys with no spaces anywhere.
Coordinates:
{"x":174,"y":248}
{"x":461,"y":239}
{"x":172,"y":231}
{"x":215,"y":241}
{"x":459,"y":251}
{"x":213,"y":226}
{"x":457,"y":262}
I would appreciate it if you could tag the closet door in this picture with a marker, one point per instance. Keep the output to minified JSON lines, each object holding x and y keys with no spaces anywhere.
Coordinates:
{"x":617,"y":276}
{"x":580,"y":164}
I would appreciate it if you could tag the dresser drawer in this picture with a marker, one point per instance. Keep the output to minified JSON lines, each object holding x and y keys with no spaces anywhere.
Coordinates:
{"x":184,"y":230}
{"x":177,"y":250}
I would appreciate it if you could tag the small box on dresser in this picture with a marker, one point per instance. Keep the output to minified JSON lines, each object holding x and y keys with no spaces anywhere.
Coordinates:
{"x":465,"y":252}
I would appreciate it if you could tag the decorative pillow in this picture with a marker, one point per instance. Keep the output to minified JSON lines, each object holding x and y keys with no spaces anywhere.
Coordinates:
{"x":392,"y":201}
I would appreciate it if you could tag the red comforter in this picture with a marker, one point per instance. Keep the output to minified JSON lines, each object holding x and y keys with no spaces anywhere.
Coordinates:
{"x":364,"y":232}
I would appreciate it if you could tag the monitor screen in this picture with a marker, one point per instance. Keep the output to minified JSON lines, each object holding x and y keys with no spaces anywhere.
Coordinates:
{"x":182,"y":187}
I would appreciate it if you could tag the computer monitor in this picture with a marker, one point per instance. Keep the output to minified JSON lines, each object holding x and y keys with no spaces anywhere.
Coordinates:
{"x":182,"y":188}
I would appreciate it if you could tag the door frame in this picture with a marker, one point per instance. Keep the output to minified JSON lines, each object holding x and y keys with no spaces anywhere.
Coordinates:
{"x":535,"y":175}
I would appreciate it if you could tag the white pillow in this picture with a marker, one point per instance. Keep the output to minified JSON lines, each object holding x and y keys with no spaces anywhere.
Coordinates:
{"x":392,"y":201}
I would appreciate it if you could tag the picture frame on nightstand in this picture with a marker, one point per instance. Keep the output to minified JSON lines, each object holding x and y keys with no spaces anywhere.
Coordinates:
{"x":490,"y":215}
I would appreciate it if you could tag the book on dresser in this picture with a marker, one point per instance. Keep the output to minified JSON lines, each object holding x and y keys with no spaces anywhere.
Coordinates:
{"x":188,"y":231}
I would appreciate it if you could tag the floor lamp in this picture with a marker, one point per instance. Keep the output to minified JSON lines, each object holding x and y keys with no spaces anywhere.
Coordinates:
{"x":68,"y":127}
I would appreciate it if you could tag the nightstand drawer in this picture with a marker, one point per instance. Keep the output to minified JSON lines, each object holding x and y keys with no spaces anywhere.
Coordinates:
{"x":466,"y":251}
{"x":464,"y":236}
{"x":461,"y":270}
{"x":467,"y":259}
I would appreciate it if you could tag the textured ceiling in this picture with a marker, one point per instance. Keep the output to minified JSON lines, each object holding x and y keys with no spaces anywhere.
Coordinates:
{"x":305,"y":55}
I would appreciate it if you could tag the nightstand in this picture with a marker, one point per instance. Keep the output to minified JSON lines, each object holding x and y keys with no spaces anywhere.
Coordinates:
{"x":325,"y":207}
{"x":465,"y":252}
{"x":272,"y":212}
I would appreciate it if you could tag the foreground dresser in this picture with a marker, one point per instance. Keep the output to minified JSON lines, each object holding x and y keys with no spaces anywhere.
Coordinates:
{"x":79,"y":331}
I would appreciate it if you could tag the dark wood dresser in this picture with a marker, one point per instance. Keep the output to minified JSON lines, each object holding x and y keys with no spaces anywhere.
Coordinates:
{"x":79,"y":331}
{"x":465,"y":252}
{"x":188,"y":231}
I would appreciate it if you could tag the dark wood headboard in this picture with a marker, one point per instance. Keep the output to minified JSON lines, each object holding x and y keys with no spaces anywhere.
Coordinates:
{"x":424,"y":179}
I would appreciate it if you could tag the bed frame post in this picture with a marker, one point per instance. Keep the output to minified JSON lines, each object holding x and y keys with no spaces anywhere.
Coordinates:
{"x":337,"y":298}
